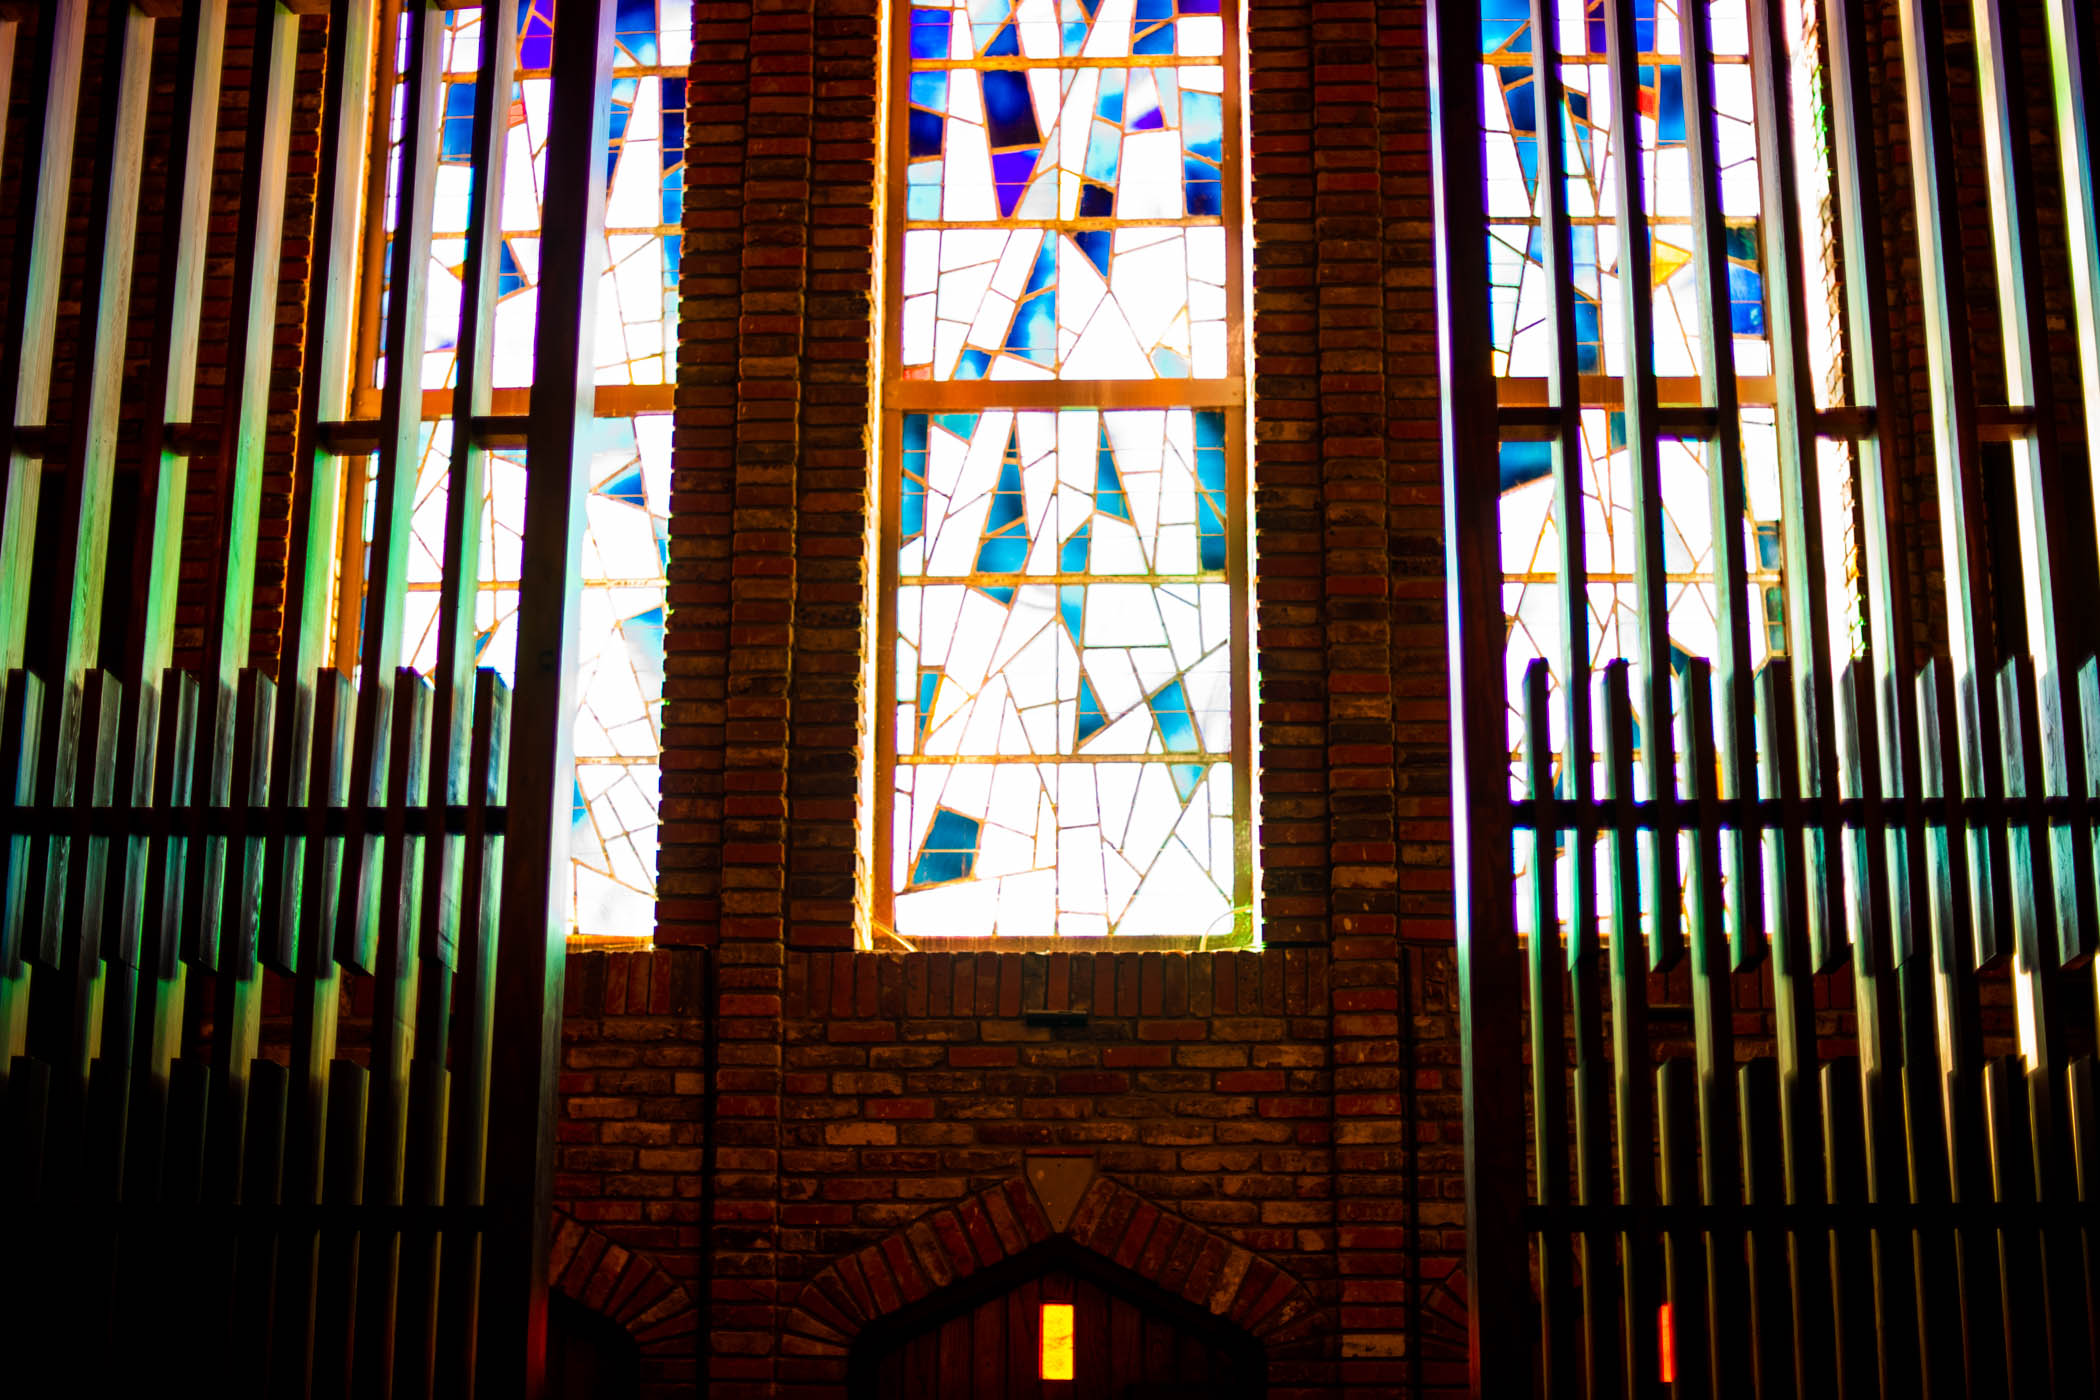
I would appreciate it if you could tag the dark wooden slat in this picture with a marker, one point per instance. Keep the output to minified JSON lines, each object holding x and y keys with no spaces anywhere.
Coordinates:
{"x":1951,"y":379}
{"x":1726,"y":492}
{"x":2083,"y":1130}
{"x":531,"y":950}
{"x":79,"y":731}
{"x":1794,"y":1032}
{"x":1922,"y":1127}
{"x":255,"y":1263}
{"x":155,"y":869}
{"x":357,"y":903}
{"x":988,"y":1348}
{"x":1564,"y":396}
{"x":2059,"y":1237}
{"x":2032,"y":910}
{"x":1491,"y":971}
{"x":454,"y":702}
{"x":1960,"y":1042}
{"x":342,"y":1184}
{"x":466,"y":1138}
{"x":21,"y":713}
{"x":65,"y":1029}
{"x":1897,"y":1284}
{"x":500,"y":430}
{"x":1866,"y":348}
{"x":2074,"y":66}
{"x":228,"y":748}
{"x":1685,"y":1271}
{"x":1713,"y":1037}
{"x":415,"y":1329}
{"x":316,"y":486}
{"x":1793,"y":399}
{"x":1593,"y":1141}
{"x":2025,"y":1336}
{"x":1549,"y":1089}
{"x":161,"y":969}
{"x":2049,"y":559}
{"x":237,"y":989}
{"x":1644,"y":464}
{"x":400,"y":415}
{"x":316,"y":1001}
{"x":1764,"y":1184}
{"x":400,"y":430}
{"x":1857,"y":1314}
{"x":50,"y":100}
{"x":348,"y":437}
{"x":170,"y":373}
{"x":393,"y":1011}
{"x":1640,"y":1281}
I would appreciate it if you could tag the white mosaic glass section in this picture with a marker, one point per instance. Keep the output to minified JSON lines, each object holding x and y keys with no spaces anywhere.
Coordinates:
{"x":1063,"y":675}
{"x":620,"y":683}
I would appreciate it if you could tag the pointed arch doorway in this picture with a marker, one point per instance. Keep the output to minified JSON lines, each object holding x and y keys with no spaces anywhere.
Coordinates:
{"x":982,"y":1338}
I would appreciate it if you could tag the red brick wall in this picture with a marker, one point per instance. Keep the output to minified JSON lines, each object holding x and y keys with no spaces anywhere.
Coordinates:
{"x":860,"y":1091}
{"x":1226,"y":1098}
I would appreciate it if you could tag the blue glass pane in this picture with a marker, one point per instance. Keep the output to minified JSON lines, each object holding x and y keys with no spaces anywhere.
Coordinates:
{"x":950,"y":851}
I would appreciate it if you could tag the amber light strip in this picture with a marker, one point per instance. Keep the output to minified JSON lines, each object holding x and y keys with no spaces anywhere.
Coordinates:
{"x":1057,"y":1341}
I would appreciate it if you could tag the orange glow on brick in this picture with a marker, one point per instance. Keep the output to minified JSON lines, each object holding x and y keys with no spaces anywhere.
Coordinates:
{"x":1057,"y":1341}
{"x":1666,"y":1345}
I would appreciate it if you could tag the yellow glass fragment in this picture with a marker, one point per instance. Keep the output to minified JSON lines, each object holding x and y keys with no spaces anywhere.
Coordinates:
{"x":1057,"y":1341}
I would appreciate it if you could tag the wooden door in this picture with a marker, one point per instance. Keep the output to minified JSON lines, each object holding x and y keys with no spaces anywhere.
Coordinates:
{"x":1125,"y":1347}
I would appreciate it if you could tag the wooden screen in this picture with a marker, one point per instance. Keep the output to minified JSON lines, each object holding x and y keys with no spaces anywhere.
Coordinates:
{"x":174,"y":838}
{"x":1064,"y":718}
{"x":1740,"y":859}
{"x":1121,"y":1351}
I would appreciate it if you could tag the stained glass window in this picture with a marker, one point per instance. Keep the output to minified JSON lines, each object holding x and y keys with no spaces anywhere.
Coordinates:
{"x":613,"y":841}
{"x":1064,"y":684}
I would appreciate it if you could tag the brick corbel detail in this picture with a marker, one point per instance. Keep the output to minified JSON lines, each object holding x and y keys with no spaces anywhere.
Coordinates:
{"x":948,"y":1245}
{"x":614,"y":1282}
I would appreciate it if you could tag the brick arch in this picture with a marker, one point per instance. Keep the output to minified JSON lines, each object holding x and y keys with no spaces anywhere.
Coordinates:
{"x":1113,"y":1221}
{"x":617,"y":1283}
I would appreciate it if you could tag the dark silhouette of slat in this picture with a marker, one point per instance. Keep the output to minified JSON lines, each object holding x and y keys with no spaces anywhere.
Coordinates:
{"x":2012,"y":1178}
{"x":1640,"y":1282}
{"x":1794,"y":1035}
{"x":1685,"y":1281}
{"x":472,"y":1017}
{"x":342,"y":1184}
{"x":393,"y":1010}
{"x":2050,"y":558}
{"x":1713,"y":1037}
{"x":1492,"y":972}
{"x":50,"y":98}
{"x":1652,"y":641}
{"x":1878,"y":1011}
{"x":317,"y":487}
{"x":530,"y":950}
{"x":1549,"y":1073}
{"x":1764,"y":1184}
{"x":1857,"y":1316}
{"x":1960,"y":1044}
{"x":2074,"y":68}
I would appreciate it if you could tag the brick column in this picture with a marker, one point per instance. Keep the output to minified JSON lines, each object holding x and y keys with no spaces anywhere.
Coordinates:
{"x":838,"y":482}
{"x":703,"y":479}
{"x":1291,"y":714}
